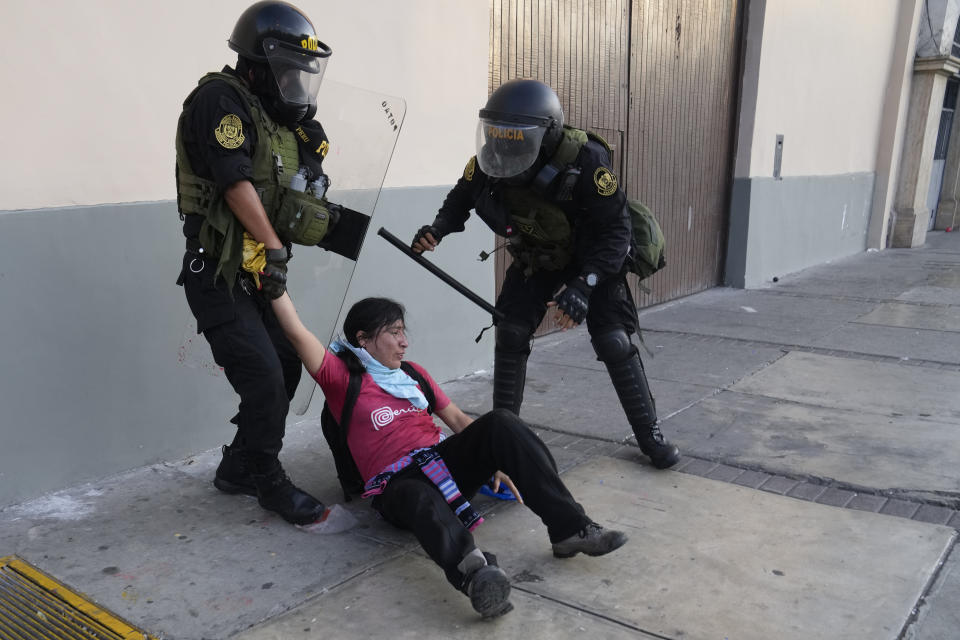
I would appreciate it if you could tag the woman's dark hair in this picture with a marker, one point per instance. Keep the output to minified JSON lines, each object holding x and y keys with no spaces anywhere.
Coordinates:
{"x":371,"y":316}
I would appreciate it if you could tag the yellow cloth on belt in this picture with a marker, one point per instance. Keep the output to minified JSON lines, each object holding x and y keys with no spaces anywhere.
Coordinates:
{"x":254,"y":258}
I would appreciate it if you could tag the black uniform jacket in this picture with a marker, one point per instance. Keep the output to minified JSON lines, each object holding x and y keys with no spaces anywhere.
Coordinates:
{"x":601,"y":223}
{"x":208,"y":158}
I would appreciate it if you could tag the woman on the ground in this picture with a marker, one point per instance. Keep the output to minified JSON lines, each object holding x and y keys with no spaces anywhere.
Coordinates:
{"x":417,"y":477}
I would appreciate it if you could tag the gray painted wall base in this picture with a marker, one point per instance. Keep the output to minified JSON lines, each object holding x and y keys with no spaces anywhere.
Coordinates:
{"x":103,"y":370}
{"x":782,"y":226}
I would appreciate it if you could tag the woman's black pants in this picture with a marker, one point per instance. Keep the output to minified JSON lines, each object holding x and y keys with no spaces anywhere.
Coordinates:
{"x":497,"y":441}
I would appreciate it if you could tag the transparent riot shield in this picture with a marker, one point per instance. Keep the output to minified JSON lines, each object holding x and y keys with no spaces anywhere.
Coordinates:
{"x":362,"y":128}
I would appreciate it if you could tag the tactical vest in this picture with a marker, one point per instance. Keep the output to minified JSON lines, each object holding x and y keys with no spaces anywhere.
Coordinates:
{"x":544,"y":234}
{"x":545,"y":237}
{"x":296,"y":215}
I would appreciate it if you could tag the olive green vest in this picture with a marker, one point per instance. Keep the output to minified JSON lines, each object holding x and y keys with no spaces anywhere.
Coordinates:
{"x":545,"y":237}
{"x":295,"y":215}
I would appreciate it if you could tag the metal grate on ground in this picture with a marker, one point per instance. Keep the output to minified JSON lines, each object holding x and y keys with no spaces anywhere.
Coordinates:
{"x":35,"y":606}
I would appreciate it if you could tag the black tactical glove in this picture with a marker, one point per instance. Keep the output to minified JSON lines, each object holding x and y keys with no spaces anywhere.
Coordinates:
{"x":433,"y":230}
{"x":273,"y":278}
{"x":573,"y":300}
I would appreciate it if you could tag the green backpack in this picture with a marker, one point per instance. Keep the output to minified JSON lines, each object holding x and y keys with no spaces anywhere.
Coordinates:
{"x":646,"y":250}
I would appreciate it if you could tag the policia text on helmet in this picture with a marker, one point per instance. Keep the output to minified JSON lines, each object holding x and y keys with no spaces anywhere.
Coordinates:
{"x":519,"y":129}
{"x":280,"y":55}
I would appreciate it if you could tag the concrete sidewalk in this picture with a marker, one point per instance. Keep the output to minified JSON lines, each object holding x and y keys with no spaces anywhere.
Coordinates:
{"x":818,"y":496}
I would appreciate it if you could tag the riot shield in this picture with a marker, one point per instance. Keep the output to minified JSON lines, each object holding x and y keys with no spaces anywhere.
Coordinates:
{"x":362,"y":128}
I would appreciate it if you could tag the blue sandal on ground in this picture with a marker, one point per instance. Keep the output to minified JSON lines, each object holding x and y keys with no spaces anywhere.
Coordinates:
{"x":503,"y":494}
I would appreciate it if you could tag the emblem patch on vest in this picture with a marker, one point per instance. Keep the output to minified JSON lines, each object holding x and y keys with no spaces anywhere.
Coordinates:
{"x":229,"y":132}
{"x":470,"y":168}
{"x":605,"y":180}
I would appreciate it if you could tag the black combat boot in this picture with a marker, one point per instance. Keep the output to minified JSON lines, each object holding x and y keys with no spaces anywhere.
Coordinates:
{"x":630,"y":382}
{"x":661,"y":453}
{"x":234,"y":474}
{"x":275,"y":492}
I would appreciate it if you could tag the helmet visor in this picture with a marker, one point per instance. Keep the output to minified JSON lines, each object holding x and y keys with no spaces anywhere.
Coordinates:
{"x":298,"y":71}
{"x":506,"y":149}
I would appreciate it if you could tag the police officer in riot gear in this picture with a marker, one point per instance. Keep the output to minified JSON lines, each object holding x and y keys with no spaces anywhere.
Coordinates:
{"x":549,"y":190}
{"x":237,"y":153}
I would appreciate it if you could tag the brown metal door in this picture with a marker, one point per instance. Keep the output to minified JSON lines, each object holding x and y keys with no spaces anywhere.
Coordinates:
{"x":656,"y":79}
{"x":683,"y":68}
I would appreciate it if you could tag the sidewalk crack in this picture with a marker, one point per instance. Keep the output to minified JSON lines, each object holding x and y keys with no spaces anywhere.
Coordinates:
{"x":595,"y":614}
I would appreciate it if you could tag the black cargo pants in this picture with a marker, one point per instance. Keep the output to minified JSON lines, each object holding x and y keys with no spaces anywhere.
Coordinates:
{"x":496,"y":441}
{"x":248,"y":342}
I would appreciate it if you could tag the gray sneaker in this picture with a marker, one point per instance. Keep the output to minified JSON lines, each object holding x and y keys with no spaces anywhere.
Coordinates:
{"x":489,"y":591}
{"x":592,"y":540}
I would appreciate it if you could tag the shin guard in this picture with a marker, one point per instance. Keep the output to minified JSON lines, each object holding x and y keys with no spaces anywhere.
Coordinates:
{"x":630,"y":382}
{"x":510,"y":366}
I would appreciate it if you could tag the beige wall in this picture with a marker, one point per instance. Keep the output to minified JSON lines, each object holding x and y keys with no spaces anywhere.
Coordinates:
{"x":93,"y":88}
{"x":834,"y":79}
{"x":823,"y":73}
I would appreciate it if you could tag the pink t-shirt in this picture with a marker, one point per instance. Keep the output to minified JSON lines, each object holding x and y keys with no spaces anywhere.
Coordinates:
{"x":383,"y":428}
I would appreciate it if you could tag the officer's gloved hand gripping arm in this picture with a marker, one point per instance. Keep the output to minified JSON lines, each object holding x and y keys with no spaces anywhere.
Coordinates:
{"x":243,"y":200}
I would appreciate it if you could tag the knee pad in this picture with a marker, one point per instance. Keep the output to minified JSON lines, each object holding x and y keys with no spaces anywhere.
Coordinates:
{"x":613,"y":345}
{"x":513,"y":338}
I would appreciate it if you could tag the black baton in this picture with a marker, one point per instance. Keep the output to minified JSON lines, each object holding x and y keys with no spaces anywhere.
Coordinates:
{"x":440,"y":273}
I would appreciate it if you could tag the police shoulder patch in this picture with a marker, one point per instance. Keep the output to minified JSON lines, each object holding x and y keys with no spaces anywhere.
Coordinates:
{"x":229,"y":132}
{"x":605,"y":180}
{"x":470,"y":168}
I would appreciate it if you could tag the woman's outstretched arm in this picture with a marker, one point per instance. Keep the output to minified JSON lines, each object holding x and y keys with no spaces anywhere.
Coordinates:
{"x":308,"y":347}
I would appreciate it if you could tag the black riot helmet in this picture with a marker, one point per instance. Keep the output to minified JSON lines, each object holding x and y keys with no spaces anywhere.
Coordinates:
{"x":522,"y":120}
{"x":277,"y":37}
